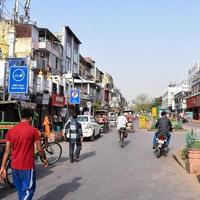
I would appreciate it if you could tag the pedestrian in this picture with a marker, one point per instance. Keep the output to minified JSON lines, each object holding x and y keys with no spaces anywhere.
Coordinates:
{"x":20,"y":144}
{"x":55,"y":122}
{"x":47,"y":126}
{"x":73,"y":127}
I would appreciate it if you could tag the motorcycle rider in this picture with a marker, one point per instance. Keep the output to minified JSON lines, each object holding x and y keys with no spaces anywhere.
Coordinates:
{"x":164,"y":126}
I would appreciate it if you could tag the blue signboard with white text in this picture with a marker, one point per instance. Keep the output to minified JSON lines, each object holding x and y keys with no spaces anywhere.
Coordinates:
{"x":74,"y":97}
{"x":16,"y":61}
{"x":18,"y":79}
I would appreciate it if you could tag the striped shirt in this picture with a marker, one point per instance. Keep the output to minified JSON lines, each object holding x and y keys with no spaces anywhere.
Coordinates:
{"x":74,"y":128}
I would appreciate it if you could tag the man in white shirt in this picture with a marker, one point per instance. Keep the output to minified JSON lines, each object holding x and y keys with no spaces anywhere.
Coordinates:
{"x":121,"y":124}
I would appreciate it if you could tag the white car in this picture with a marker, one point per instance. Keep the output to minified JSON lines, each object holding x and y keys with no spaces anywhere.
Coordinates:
{"x":90,"y":127}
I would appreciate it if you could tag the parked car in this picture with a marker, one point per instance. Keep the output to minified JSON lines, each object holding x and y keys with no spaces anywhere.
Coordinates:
{"x":90,"y":127}
{"x":112,"y":116}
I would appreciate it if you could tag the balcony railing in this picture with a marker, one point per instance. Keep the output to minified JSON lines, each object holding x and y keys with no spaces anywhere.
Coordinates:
{"x":53,"y":48}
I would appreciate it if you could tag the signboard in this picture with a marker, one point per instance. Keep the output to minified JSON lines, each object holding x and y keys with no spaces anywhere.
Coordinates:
{"x":154,"y":111}
{"x":74,"y":97}
{"x":42,"y":99}
{"x":16,"y":62}
{"x":18,"y":79}
{"x":58,"y":100}
{"x":21,"y":97}
{"x":193,"y":102}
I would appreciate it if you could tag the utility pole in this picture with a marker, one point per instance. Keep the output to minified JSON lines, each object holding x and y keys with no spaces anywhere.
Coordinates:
{"x":16,"y":10}
{"x":1,"y":10}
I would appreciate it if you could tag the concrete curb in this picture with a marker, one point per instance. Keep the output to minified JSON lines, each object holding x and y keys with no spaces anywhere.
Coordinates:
{"x":179,"y":160}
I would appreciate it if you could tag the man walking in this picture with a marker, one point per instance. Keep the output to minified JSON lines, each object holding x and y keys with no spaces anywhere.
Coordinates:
{"x":73,"y":127}
{"x":20,"y":143}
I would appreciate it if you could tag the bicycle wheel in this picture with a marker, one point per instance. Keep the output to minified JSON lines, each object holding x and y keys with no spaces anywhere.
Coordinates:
{"x":9,"y":175}
{"x":53,"y":152}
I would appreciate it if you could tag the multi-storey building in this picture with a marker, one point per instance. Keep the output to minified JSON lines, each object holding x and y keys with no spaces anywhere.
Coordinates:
{"x":193,"y":101}
{"x":39,"y":49}
{"x":168,"y":101}
{"x":108,"y":88}
{"x":89,"y":81}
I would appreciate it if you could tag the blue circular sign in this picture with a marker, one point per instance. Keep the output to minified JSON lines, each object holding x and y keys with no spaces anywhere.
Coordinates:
{"x":18,"y":75}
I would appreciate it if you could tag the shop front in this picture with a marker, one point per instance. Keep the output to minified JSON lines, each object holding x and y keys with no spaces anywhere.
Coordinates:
{"x":56,"y":110}
{"x":42,"y":101}
{"x":193,"y":105}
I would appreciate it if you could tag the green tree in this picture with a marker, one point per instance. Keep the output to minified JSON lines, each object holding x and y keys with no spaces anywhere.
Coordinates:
{"x":142,"y":103}
{"x":157,"y":102}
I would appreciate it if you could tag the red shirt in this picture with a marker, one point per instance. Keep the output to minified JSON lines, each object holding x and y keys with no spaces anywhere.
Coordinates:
{"x":22,"y":138}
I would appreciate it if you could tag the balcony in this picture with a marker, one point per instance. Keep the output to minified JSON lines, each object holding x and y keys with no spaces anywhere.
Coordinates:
{"x":89,"y":97}
{"x":50,"y":47}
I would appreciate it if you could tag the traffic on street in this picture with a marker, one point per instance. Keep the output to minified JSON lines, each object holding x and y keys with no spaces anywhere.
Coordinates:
{"x":106,"y":171}
{"x":99,"y":100}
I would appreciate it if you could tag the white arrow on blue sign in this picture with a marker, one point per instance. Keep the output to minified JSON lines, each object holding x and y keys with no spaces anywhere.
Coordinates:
{"x":18,"y":79}
{"x":74,"y":97}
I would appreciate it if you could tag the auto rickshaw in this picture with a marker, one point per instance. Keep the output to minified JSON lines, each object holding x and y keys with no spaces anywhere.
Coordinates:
{"x":101,"y":117}
{"x":130,"y":117}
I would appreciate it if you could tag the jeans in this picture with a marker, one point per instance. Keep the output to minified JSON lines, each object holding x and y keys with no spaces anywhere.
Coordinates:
{"x":155,"y":136}
{"x":71,"y":149}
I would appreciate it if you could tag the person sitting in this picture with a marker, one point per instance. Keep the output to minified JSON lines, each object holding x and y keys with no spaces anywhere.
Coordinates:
{"x":164,"y":126}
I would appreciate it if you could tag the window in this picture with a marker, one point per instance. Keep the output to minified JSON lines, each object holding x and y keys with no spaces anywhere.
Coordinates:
{"x":54,"y":88}
{"x":69,"y":50}
{"x":75,"y":56}
{"x":69,"y":66}
{"x":61,"y":90}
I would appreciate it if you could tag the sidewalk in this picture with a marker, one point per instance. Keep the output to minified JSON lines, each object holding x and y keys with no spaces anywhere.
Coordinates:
{"x":195,"y":121}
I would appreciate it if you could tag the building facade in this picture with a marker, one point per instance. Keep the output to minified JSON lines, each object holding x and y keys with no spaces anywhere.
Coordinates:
{"x":168,"y":97}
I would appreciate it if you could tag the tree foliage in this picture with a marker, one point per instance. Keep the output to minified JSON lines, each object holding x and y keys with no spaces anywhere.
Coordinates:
{"x":142,"y":103}
{"x":157,"y":101}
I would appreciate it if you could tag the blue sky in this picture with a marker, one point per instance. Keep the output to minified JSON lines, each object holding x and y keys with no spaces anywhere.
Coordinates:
{"x":143,"y":44}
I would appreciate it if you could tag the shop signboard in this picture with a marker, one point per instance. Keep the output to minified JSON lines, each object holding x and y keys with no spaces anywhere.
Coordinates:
{"x":193,"y":102}
{"x":42,"y":99}
{"x":16,"y":61}
{"x":21,"y":97}
{"x":45,"y":99}
{"x":58,"y":100}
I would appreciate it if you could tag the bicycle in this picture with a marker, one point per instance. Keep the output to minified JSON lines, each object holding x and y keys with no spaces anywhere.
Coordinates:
{"x":53,"y":151}
{"x":123,"y":134}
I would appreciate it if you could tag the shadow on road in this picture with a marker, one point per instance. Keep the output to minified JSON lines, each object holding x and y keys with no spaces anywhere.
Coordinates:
{"x":62,"y":190}
{"x":87,"y":155}
{"x":126,"y":143}
{"x":6,"y":190}
{"x":198,"y":178}
{"x":45,"y":171}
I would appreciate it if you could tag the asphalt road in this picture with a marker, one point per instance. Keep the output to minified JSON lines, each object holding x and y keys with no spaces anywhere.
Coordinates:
{"x":107,"y":172}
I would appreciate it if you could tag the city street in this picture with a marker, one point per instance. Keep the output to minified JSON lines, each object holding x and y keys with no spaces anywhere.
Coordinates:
{"x":109,"y":172}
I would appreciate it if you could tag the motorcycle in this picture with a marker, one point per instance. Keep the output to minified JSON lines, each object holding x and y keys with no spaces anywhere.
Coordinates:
{"x":161,"y":145}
